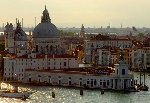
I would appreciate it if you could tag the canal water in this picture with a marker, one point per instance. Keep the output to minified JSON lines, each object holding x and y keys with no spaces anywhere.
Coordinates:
{"x":43,"y":94}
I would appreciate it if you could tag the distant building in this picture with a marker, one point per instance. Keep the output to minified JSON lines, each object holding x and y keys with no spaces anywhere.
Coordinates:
{"x":100,"y":41}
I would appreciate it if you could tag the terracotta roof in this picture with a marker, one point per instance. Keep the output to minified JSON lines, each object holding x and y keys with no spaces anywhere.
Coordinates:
{"x":106,"y":37}
{"x":49,"y":56}
{"x":61,"y":56}
{"x":23,"y":56}
{"x":92,"y":70}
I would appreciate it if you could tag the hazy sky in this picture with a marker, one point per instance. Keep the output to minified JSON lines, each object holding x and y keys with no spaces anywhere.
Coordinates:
{"x":74,"y":13}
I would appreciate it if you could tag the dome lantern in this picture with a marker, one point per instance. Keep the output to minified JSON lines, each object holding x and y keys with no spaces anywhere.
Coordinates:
{"x":45,"y":17}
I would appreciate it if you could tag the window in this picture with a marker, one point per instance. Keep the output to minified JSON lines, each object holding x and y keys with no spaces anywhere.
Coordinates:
{"x":123,"y":71}
{"x":100,"y":83}
{"x":64,"y":63}
{"x":107,"y":82}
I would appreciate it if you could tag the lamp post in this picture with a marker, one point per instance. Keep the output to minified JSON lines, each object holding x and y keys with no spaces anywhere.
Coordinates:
{"x":145,"y":54}
{"x":16,"y":87}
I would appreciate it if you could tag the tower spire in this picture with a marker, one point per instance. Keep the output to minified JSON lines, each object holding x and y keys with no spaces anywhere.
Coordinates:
{"x":45,"y":7}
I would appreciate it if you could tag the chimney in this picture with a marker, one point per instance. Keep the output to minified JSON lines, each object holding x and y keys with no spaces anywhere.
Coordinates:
{"x":16,"y":21}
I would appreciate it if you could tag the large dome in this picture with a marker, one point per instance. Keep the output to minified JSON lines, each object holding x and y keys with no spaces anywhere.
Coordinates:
{"x":45,"y":29}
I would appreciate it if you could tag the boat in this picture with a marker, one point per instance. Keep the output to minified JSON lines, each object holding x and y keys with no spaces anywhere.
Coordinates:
{"x":144,"y":88}
{"x":14,"y":93}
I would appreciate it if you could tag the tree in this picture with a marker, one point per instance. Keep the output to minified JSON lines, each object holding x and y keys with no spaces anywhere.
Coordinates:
{"x":140,"y":34}
{"x":66,"y":33}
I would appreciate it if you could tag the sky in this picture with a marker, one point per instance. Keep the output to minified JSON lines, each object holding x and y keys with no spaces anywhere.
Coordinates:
{"x":74,"y":13}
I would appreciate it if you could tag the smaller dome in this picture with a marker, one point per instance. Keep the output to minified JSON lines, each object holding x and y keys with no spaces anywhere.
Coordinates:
{"x":20,"y":35}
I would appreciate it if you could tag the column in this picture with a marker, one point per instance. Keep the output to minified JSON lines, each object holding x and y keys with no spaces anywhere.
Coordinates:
{"x":113,"y":83}
{"x":123,"y":84}
{"x":129,"y":82}
{"x":102,"y":83}
{"x":118,"y":83}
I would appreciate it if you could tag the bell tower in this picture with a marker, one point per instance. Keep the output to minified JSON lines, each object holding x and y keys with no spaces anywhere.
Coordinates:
{"x":9,"y":38}
{"x":82,"y":32}
{"x":122,"y":67}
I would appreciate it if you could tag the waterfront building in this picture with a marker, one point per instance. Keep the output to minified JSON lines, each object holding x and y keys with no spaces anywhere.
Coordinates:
{"x":102,"y":78}
{"x":121,"y":79}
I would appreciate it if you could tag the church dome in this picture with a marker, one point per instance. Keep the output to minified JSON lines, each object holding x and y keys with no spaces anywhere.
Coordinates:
{"x":45,"y":28}
{"x":20,"y":35}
